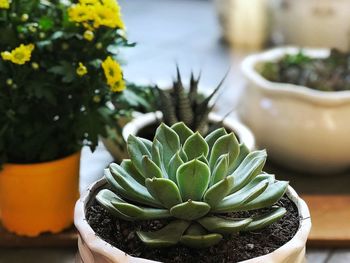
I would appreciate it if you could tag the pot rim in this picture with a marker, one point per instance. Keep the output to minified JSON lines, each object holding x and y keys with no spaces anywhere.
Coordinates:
{"x":243,"y":132}
{"x":311,"y":95}
{"x":114,"y":254}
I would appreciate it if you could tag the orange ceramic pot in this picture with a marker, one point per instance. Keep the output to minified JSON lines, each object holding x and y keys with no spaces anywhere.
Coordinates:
{"x":37,"y":198}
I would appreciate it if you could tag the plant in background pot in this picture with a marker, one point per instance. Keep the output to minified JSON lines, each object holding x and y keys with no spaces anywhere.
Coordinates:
{"x":58,"y":73}
{"x":182,"y":193}
{"x":297,"y":104}
{"x":195,"y":109}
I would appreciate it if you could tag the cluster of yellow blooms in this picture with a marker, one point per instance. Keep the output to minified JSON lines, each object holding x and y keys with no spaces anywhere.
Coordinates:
{"x":19,"y":55}
{"x":96,"y":13}
{"x":4,"y":4}
{"x":114,"y":75}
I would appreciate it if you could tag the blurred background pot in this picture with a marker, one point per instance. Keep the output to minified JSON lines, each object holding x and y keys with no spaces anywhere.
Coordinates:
{"x":144,"y":126}
{"x":313,"y":23}
{"x":92,"y":249}
{"x":302,"y":128}
{"x":37,"y":198}
{"x":244,"y":23}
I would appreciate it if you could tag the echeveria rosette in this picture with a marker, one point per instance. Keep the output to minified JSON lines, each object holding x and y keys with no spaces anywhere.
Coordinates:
{"x":194,"y":182}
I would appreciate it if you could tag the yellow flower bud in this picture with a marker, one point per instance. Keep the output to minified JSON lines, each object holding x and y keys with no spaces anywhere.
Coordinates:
{"x":96,"y":99}
{"x":9,"y":82}
{"x":42,"y":35}
{"x":35,"y":65}
{"x":99,"y":45}
{"x":81,"y":70}
{"x":24,"y":17}
{"x":32,"y":29}
{"x":89,"y":35}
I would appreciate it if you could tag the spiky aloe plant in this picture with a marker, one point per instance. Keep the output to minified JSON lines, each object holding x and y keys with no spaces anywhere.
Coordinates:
{"x":186,"y":105}
{"x":194,"y":182}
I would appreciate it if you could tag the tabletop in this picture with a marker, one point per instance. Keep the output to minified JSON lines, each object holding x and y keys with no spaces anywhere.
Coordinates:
{"x":167,"y":32}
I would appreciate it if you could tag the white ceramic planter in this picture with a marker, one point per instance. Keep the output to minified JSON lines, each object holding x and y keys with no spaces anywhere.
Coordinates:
{"x":317,"y":23}
{"x":244,"y":134}
{"x":93,"y":249}
{"x":302,"y":128}
{"x":237,"y":17}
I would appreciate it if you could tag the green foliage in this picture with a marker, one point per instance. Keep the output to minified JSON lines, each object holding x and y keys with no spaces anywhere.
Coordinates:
{"x":48,"y":111}
{"x":196,"y":191}
{"x":325,"y":74}
{"x":187,"y":106}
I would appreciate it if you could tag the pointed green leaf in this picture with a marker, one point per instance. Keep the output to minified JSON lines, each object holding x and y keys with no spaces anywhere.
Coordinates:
{"x":128,"y":187}
{"x":195,"y":146}
{"x":174,"y":164}
{"x":266,"y":219}
{"x":140,"y":213}
{"x":129,"y":167}
{"x":167,"y":236}
{"x":243,"y":152}
{"x":213,"y":136}
{"x":157,"y":150}
{"x":137,"y":150}
{"x":269,"y":197}
{"x":105,"y":197}
{"x":183,"y":155}
{"x":190,"y":210}
{"x":251,"y":166}
{"x":201,"y":241}
{"x":218,"y":191}
{"x":235,"y":201}
{"x":147,"y":143}
{"x":220,"y":169}
{"x":150,"y":169}
{"x":203,"y":159}
{"x":169,"y":140}
{"x":226,"y":144}
{"x":182,"y":130}
{"x":165,"y":191}
{"x":193,"y":180}
{"x":224,"y":225}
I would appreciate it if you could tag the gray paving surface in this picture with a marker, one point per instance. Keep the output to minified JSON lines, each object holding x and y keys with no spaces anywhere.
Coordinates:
{"x":168,"y":31}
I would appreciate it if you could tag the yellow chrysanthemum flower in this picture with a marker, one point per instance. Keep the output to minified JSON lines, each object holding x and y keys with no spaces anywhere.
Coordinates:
{"x":19,"y":55}
{"x":114,"y":74}
{"x":4,"y":4}
{"x":108,"y":16}
{"x":81,"y":70}
{"x":80,"y":13}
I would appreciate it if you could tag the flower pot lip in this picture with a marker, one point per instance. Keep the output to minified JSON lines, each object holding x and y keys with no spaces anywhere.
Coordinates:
{"x":312,"y":95}
{"x":63,"y":159}
{"x":143,"y":120}
{"x":114,"y":254}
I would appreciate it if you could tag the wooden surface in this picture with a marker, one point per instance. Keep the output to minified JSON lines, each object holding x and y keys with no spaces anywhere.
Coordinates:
{"x":330,"y":220}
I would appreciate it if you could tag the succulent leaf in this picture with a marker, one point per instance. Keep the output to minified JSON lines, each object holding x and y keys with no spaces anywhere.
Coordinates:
{"x":218,"y":191}
{"x":224,"y":225}
{"x":182,"y":130}
{"x":233,"y":202}
{"x":190,"y":210}
{"x":174,"y":164}
{"x":165,"y":191}
{"x":250,"y":167}
{"x":195,"y":146}
{"x":193,"y":179}
{"x":167,"y":236}
{"x":137,"y":149}
{"x":243,"y":152}
{"x":201,"y":241}
{"x":129,"y":167}
{"x":150,"y":169}
{"x":220,"y":169}
{"x":266,"y":219}
{"x":226,"y":144}
{"x":170,"y":141}
{"x":140,"y":213}
{"x":212,"y":137}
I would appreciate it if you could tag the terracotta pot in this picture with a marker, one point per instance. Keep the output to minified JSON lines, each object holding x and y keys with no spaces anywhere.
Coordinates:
{"x":242,"y":132}
{"x":37,"y":198}
{"x":93,"y":249}
{"x":302,"y":128}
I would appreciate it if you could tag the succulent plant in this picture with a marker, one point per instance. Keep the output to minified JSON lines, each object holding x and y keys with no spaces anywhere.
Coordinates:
{"x":193,"y":182}
{"x":189,"y":106}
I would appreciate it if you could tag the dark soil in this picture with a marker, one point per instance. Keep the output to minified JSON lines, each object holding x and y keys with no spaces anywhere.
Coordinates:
{"x":233,"y":248}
